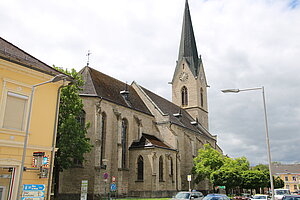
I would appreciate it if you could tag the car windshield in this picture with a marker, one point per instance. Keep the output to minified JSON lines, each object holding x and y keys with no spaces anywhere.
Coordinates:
{"x":182,"y":195}
{"x":292,"y":198}
{"x":282,"y":192}
{"x":259,"y":197}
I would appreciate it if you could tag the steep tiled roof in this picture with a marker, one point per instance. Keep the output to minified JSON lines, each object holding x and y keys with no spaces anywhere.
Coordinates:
{"x":14,"y":54}
{"x":285,"y":168}
{"x":108,"y":88}
{"x":149,"y":141}
{"x":169,"y":108}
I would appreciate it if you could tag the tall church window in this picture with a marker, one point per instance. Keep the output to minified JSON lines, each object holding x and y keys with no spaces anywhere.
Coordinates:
{"x":171,"y":167}
{"x":201,"y":97}
{"x":140,"y":168}
{"x":103,"y":138}
{"x":161,"y":169}
{"x":184,"y":96}
{"x":124,"y":141}
{"x":81,"y":119}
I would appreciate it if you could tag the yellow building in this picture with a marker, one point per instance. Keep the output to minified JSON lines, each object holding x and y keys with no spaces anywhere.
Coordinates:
{"x":290,"y":174}
{"x":20,"y":78}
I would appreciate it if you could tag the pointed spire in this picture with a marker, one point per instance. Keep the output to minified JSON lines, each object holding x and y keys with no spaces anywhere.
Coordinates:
{"x":188,"y":48}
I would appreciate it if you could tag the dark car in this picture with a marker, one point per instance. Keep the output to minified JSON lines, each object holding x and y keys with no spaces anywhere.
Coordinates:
{"x":291,"y":197}
{"x":188,"y":195}
{"x":216,"y":197}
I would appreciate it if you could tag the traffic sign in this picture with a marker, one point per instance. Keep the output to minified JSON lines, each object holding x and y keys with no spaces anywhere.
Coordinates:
{"x":105,"y":175}
{"x":113,"y":187}
{"x":189,"y":177}
{"x":113,"y":179}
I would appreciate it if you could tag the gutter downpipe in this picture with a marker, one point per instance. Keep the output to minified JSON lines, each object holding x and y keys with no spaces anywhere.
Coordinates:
{"x":54,"y":140}
{"x":26,"y":138}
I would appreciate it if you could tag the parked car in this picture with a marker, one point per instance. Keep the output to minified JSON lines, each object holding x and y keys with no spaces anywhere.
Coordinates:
{"x":260,"y":196}
{"x":279,"y":193}
{"x":291,"y":197}
{"x":216,"y":197}
{"x":188,"y":195}
{"x":244,"y":196}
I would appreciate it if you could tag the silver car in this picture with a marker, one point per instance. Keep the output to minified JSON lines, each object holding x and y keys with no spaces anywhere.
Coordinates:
{"x":188,"y":195}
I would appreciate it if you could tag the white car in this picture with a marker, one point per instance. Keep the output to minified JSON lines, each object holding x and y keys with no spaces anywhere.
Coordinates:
{"x":260,"y":196}
{"x":279,"y":193}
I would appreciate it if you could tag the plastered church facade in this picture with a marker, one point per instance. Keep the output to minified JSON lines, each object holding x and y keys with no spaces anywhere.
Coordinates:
{"x":144,"y":142}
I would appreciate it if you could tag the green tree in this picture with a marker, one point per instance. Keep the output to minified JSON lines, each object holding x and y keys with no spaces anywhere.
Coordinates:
{"x":71,"y":139}
{"x":278,"y":182}
{"x":226,"y":176}
{"x":207,"y":161}
{"x":254,"y":179}
{"x":261,"y":167}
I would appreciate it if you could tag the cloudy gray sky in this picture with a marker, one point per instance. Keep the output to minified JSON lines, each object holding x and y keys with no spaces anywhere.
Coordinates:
{"x":243,"y":43}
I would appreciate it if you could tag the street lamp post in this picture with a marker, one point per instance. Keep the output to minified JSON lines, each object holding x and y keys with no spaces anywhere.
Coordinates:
{"x":266,"y":124}
{"x":57,"y":78}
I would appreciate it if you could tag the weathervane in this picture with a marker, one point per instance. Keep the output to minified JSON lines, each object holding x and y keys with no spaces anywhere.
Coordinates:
{"x":88,"y":55}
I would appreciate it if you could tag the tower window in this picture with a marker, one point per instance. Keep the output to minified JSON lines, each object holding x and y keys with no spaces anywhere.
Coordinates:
{"x":184,"y":96}
{"x":140,"y":169}
{"x":201,"y":97}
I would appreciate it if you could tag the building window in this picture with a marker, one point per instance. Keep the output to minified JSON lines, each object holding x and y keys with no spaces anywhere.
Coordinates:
{"x":103,"y":138}
{"x":81,"y":119}
{"x":193,"y":148}
{"x":294,"y":178}
{"x":140,"y":169}
{"x":295,"y":187}
{"x":286,"y":178}
{"x":15,"y":111}
{"x":184,"y":96}
{"x":201,"y":97}
{"x":171,"y":167}
{"x":287,"y":186}
{"x":124,"y":141}
{"x":161,"y":169}
{"x":77,"y":163}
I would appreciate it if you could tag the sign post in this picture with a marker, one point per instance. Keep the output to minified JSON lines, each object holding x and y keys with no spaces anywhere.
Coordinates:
{"x":189,"y":178}
{"x":84,"y":190}
{"x":105,"y":177}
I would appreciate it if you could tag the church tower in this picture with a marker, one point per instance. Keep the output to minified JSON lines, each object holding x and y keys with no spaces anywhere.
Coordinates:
{"x":189,"y":86}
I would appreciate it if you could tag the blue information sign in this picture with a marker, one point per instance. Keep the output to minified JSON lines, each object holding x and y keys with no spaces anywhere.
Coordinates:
{"x":113,"y":187}
{"x":33,"y":192}
{"x":33,"y":187}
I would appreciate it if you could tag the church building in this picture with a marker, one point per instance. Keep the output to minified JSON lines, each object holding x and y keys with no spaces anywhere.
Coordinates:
{"x":143,"y":144}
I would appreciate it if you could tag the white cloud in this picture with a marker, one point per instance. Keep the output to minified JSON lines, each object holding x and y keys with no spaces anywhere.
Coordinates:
{"x":248,"y":43}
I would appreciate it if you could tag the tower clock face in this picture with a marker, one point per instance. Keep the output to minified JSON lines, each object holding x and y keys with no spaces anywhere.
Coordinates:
{"x":183,"y":76}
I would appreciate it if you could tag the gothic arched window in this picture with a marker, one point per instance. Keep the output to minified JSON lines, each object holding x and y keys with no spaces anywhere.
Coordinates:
{"x":124,"y":141}
{"x":81,"y":119}
{"x":201,"y":97}
{"x":171,"y":167}
{"x":184,"y":96}
{"x":161,"y":169}
{"x":103,"y":138}
{"x":140,"y":168}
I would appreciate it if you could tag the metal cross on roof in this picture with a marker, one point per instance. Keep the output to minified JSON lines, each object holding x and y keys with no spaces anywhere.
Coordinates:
{"x":88,"y":55}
